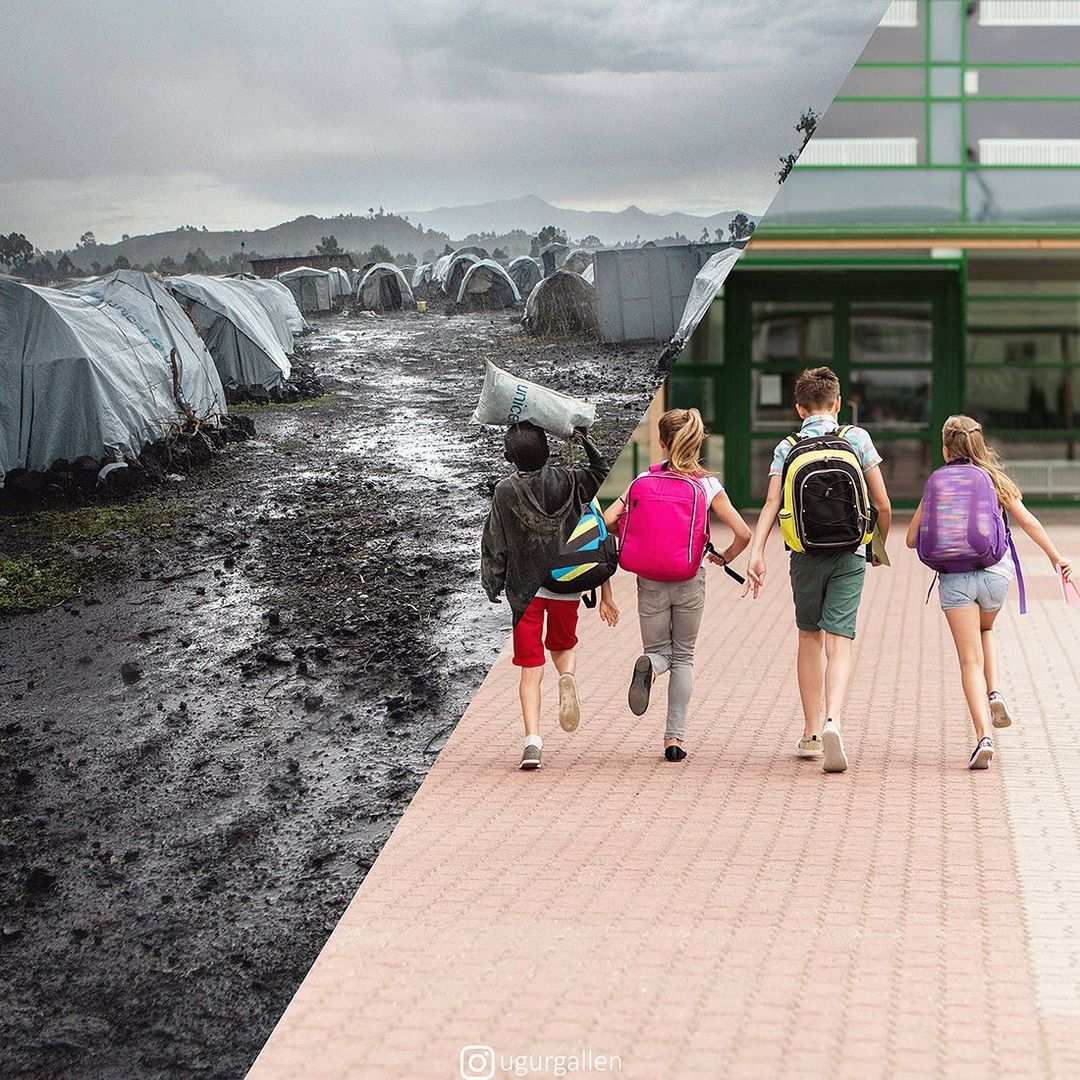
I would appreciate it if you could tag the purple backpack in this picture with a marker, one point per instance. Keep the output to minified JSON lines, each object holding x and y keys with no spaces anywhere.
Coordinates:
{"x":963,"y":527}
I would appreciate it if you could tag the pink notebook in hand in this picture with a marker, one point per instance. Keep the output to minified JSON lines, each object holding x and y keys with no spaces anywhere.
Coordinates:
{"x":1070,"y":593}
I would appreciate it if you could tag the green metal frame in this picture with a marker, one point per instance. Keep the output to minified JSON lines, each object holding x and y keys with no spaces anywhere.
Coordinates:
{"x":936,"y":282}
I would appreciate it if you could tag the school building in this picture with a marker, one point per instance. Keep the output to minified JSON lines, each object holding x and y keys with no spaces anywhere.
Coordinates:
{"x":927,"y":247}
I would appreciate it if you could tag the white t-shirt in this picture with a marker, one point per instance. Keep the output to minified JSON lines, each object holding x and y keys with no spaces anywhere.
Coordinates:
{"x":711,"y":484}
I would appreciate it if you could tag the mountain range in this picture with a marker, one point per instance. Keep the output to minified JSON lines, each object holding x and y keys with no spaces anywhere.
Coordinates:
{"x":531,"y":213}
{"x":506,"y":223}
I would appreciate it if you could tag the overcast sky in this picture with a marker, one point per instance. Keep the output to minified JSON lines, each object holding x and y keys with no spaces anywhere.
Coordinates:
{"x":127,"y":116}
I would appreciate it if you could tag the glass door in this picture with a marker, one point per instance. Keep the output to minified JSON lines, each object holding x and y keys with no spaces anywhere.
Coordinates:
{"x":893,"y":338}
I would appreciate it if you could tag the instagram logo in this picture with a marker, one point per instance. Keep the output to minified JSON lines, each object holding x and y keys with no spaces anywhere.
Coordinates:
{"x":477,"y":1062}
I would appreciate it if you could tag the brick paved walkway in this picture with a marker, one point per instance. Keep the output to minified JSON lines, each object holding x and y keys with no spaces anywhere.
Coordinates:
{"x":740,"y":914}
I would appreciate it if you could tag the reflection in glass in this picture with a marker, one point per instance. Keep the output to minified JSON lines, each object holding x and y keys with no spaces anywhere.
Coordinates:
{"x":1017,"y":45}
{"x":792,"y":332}
{"x":866,"y":196}
{"x":905,"y":466}
{"x":893,"y":400}
{"x":895,"y":333}
{"x":1035,"y":398}
{"x":693,"y":392}
{"x":946,"y":32}
{"x":946,"y":133}
{"x":1014,"y":195}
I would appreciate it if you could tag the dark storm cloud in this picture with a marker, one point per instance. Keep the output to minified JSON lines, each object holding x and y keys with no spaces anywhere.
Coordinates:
{"x":124,"y":116}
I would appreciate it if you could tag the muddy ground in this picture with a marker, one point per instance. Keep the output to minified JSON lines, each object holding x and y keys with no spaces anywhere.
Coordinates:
{"x":202,"y":753}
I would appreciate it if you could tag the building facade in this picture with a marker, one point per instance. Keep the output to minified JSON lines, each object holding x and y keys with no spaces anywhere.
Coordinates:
{"x":927,"y":246}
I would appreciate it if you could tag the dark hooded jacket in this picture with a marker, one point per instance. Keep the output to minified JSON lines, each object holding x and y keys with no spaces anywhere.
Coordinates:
{"x":531,"y":516}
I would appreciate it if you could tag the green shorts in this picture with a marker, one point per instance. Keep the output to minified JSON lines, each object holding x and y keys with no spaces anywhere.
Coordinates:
{"x":827,"y":590}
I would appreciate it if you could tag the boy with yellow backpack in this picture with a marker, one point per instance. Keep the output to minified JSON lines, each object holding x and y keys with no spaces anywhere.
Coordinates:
{"x":826,"y":489}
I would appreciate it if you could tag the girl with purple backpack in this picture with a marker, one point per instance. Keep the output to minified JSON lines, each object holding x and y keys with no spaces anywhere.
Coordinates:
{"x":961,"y":531}
{"x":663,"y":519}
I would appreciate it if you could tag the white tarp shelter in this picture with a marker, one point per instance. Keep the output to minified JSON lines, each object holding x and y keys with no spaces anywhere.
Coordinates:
{"x":88,"y":373}
{"x":488,"y":286}
{"x":455,"y":270}
{"x":310,"y":287}
{"x":418,"y":276}
{"x":708,"y":282}
{"x":340,"y":285}
{"x":383,"y":288}
{"x":280,"y":307}
{"x":526,"y":272}
{"x":236,"y":329}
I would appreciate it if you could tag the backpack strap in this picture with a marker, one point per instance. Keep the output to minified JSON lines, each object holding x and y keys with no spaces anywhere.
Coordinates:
{"x":793,"y":438}
{"x":727,"y":569}
{"x":930,"y":591}
{"x":844,"y":430}
{"x":1016,"y":562}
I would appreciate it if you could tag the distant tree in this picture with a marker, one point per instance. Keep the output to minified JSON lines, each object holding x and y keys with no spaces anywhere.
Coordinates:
{"x":329,"y":246}
{"x":121,"y":263}
{"x":551,"y":234}
{"x":591,"y":241}
{"x":167,"y":266}
{"x":65,"y":267}
{"x":379,"y":253}
{"x":741,"y":227}
{"x":534,"y":247}
{"x":87,"y":240}
{"x":806,"y":126}
{"x":448,"y":250}
{"x":498,"y":253}
{"x":125,"y":236}
{"x":15,"y":251}
{"x":704,"y":234}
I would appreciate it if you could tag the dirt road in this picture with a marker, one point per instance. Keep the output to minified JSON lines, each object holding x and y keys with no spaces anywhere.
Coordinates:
{"x":201,"y":757}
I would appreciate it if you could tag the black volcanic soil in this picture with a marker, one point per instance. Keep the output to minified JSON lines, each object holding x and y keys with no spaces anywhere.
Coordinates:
{"x":201,"y":756}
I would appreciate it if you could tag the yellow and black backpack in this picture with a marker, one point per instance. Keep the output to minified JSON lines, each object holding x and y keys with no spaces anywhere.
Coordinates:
{"x":825,"y":507}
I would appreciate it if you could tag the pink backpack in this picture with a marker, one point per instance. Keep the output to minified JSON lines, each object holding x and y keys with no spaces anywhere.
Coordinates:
{"x":664,"y":529}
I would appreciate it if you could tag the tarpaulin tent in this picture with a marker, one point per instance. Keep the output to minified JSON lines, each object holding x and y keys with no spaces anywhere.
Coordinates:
{"x":557,"y":251}
{"x":438,"y":269}
{"x":589,"y":273}
{"x":525,"y":272}
{"x":280,"y":308}
{"x":473,"y":249}
{"x":455,"y":271}
{"x":310,"y":287}
{"x":383,"y":288}
{"x":89,"y":373}
{"x":578,"y":260}
{"x":340,"y":284}
{"x":487,"y":285}
{"x":421,"y":274}
{"x":707,"y":283}
{"x":236,"y":329}
{"x":563,"y":303}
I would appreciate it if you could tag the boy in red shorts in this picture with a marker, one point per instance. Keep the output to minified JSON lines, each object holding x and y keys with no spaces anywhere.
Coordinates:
{"x":532,"y":513}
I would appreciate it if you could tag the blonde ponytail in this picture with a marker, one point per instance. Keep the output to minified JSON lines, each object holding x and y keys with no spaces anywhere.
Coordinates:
{"x":963,"y":437}
{"x":683,"y":432}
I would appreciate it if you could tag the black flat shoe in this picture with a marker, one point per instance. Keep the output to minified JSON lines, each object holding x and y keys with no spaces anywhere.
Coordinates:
{"x":640,"y":686}
{"x":674,"y":753}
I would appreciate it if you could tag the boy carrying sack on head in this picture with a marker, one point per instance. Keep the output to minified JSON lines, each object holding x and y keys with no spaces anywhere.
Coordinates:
{"x":533,"y":512}
{"x":826,"y":487}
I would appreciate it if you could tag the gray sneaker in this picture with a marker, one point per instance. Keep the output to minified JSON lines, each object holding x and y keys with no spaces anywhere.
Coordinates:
{"x":832,"y":743}
{"x":810,"y":747}
{"x":531,"y":757}
{"x":1000,"y":713}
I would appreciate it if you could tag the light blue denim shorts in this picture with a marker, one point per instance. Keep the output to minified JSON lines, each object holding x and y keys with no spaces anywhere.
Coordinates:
{"x":977,"y":587}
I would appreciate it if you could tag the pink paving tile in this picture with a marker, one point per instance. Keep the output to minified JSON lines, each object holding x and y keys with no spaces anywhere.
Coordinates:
{"x":739,"y":914}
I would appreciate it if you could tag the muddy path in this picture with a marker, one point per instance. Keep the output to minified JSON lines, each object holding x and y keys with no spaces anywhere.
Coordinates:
{"x":201,"y":756}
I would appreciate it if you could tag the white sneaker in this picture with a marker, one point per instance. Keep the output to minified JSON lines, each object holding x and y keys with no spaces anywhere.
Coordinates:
{"x":982,"y":755}
{"x":1000,"y":714}
{"x":832,"y":743}
{"x":569,"y":706}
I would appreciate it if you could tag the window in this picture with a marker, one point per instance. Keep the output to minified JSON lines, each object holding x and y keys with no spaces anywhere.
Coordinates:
{"x":866,"y":196}
{"x":1016,"y":195}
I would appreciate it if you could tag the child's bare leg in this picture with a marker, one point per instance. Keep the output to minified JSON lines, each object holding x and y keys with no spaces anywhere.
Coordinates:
{"x":989,"y":647}
{"x":565,"y":661}
{"x":837,"y":673}
{"x":811,"y":671}
{"x":529,"y":693}
{"x":964,"y":623}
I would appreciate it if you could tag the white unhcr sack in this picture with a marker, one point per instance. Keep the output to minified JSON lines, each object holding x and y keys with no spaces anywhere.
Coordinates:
{"x":506,"y":399}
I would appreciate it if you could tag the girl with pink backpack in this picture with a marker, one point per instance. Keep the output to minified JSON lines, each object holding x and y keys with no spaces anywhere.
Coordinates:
{"x":663,"y":520}
{"x":961,"y":531}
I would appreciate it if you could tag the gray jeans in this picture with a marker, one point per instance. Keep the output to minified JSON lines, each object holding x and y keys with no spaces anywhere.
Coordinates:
{"x":670,"y":615}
